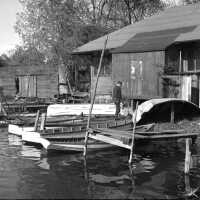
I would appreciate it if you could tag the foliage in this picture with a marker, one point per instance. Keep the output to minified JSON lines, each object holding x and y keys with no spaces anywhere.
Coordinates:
{"x":27,"y":56}
{"x":56,"y":27}
{"x":4,"y":60}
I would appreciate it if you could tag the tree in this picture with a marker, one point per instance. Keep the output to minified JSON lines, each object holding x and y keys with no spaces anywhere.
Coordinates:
{"x":56,"y":27}
{"x":4,"y":60}
{"x":27,"y":56}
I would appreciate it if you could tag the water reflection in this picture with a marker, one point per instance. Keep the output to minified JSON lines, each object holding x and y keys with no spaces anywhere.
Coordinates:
{"x":14,"y":140}
{"x":102,"y":174}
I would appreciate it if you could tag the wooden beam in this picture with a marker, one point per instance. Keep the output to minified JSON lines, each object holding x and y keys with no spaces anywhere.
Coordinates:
{"x":36,"y":120}
{"x":93,"y":96}
{"x":172,"y":113}
{"x":180,"y":61}
{"x":43,"y":121}
{"x":187,"y":156}
{"x":133,"y":135}
{"x":109,"y":140}
{"x":168,"y":136}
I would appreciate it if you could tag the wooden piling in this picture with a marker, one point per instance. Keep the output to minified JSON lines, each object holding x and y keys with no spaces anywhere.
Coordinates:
{"x":133,"y":136}
{"x":36,"y":120}
{"x":93,"y":96}
{"x":187,"y":155}
{"x":172,"y":113}
{"x":43,"y":121}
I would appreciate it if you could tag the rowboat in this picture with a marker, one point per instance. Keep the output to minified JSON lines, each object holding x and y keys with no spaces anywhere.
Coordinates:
{"x":69,"y":146}
{"x":70,"y":141}
{"x":73,"y":126}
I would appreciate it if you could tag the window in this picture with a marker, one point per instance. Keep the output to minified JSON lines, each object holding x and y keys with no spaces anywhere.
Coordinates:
{"x":172,"y":60}
{"x":106,"y":70}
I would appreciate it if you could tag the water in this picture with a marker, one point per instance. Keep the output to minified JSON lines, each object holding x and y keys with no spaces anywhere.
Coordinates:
{"x":157,"y":173}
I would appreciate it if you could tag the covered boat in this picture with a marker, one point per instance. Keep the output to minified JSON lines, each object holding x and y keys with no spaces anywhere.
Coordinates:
{"x":161,"y":110}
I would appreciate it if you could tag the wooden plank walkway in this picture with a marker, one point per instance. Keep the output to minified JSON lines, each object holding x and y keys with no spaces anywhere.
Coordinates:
{"x":123,"y":138}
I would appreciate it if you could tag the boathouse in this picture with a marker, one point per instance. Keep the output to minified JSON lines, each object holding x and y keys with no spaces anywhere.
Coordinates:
{"x":29,"y":81}
{"x":156,"y":57}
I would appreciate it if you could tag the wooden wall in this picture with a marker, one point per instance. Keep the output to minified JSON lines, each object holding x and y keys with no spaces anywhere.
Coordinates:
{"x":47,"y":79}
{"x":104,"y":86}
{"x":147,"y":82}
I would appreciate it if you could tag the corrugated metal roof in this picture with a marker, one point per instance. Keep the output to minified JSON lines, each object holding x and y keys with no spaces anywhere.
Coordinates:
{"x":171,"y":18}
{"x":152,"y":41}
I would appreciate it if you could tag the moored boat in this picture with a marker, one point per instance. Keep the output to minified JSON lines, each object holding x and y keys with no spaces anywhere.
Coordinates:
{"x":73,"y":126}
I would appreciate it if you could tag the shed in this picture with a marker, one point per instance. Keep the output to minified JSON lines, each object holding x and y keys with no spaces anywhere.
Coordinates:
{"x":29,"y":81}
{"x":159,"y":49}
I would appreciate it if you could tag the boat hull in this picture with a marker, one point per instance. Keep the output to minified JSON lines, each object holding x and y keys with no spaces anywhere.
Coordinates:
{"x":36,"y":139}
{"x":79,"y":147}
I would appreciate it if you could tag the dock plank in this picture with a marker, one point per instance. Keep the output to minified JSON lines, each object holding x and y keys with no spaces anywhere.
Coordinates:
{"x":109,"y":140}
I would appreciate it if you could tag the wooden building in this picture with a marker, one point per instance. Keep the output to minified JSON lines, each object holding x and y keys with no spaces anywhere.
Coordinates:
{"x":156,"y":57}
{"x":29,"y":81}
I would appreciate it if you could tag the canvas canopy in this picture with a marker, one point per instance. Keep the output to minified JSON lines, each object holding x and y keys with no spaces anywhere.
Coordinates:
{"x":155,"y":110}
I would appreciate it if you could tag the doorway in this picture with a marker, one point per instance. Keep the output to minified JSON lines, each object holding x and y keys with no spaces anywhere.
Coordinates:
{"x":136,"y":77}
{"x":190,"y":88}
{"x":27,"y":86}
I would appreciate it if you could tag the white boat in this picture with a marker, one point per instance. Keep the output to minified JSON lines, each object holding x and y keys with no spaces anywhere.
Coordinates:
{"x":18,"y":130}
{"x":70,"y":146}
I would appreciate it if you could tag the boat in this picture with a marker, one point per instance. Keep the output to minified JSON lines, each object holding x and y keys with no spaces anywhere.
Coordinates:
{"x":70,"y":141}
{"x":72,"y":145}
{"x":74,"y":126}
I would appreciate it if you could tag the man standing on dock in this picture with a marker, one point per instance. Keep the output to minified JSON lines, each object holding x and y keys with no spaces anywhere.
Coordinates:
{"x":117,"y":97}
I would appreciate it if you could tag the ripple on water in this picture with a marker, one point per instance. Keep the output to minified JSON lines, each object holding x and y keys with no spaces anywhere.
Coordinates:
{"x":29,"y":172}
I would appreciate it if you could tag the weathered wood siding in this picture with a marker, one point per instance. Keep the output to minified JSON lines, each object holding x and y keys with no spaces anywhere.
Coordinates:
{"x":148,"y":83}
{"x":47,"y":79}
{"x":104,"y":86}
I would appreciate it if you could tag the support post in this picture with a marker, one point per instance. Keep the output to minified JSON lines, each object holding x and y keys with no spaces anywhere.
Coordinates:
{"x":131,"y":104}
{"x":172,"y":112}
{"x":93,"y":97}
{"x":180,"y":61}
{"x":43,"y":120}
{"x":36,"y":120}
{"x":187,"y":155}
{"x":133,"y":136}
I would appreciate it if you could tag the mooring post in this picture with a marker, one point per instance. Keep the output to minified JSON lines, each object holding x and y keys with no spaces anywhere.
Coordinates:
{"x":93,"y":97}
{"x":172,"y":112}
{"x":36,"y":120}
{"x":43,"y":120}
{"x":133,"y":135}
{"x":132,"y":104}
{"x":187,"y":155}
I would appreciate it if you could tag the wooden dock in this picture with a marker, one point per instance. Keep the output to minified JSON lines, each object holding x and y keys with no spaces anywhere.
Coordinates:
{"x":123,"y":138}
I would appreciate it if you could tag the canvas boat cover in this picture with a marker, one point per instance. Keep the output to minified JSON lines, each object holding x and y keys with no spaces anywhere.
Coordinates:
{"x":156,"y":110}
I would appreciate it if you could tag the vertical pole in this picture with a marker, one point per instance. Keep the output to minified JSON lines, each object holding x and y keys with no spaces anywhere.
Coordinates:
{"x":133,"y":136}
{"x":187,"y":155}
{"x":43,"y":120}
{"x":172,"y":112}
{"x":93,"y":97}
{"x":180,"y":61}
{"x":36,"y":120}
{"x":131,"y":104}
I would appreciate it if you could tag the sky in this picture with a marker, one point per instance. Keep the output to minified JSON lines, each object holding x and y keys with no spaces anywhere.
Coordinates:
{"x":8,"y":38}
